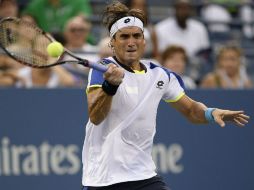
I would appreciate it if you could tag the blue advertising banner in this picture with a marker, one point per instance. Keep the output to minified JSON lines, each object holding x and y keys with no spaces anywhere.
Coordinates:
{"x":42,"y":133}
{"x":207,"y":156}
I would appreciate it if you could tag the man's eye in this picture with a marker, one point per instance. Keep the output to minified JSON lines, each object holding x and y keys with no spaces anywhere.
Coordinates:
{"x":137,"y":36}
{"x":124,"y":36}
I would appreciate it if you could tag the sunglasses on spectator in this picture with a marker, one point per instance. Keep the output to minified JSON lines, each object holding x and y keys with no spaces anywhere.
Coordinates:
{"x":73,"y":30}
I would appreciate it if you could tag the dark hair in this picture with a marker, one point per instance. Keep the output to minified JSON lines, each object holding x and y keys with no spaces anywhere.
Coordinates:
{"x":170,"y":50}
{"x":129,"y":3}
{"x":177,"y":2}
{"x":118,"y":10}
{"x":12,"y":1}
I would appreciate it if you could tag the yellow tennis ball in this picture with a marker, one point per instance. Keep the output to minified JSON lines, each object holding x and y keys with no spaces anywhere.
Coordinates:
{"x":55,"y":49}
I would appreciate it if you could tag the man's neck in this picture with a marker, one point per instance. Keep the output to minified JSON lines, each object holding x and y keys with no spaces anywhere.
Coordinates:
{"x":182,"y":24}
{"x":135,"y":66}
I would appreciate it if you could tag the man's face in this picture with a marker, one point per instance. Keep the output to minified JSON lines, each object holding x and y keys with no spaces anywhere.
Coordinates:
{"x":183,"y":11}
{"x":76,"y":32}
{"x":176,"y":62}
{"x":230,"y":62}
{"x":129,"y":44}
{"x":8,"y":9}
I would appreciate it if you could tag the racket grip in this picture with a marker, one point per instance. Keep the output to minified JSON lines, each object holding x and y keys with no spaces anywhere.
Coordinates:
{"x":98,"y":67}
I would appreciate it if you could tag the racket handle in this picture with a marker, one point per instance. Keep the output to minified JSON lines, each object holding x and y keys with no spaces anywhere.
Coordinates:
{"x":98,"y":67}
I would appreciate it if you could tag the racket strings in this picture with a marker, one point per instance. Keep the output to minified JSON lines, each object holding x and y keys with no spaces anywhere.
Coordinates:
{"x":25,"y":42}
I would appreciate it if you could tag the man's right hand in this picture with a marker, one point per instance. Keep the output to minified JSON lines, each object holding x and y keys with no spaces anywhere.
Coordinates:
{"x":114,"y":75}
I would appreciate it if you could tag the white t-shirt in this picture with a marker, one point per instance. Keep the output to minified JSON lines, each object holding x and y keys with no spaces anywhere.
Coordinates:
{"x":87,"y":51}
{"x":26,"y":74}
{"x":119,"y":148}
{"x":194,"y":38}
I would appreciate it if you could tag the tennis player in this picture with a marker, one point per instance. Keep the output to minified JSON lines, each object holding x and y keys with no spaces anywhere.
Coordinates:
{"x":122,"y":105}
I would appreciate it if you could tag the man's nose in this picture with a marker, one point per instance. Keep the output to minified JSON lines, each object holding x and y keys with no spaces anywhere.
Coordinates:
{"x":131,"y":41}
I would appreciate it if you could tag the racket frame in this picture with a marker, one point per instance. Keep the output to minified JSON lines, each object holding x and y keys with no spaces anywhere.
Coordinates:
{"x":58,"y":61}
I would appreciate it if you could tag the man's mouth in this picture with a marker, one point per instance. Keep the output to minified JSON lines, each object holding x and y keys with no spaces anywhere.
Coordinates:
{"x":131,"y":50}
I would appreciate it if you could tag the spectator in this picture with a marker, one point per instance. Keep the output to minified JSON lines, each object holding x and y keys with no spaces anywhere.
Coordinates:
{"x":29,"y":19}
{"x":8,"y":67}
{"x":76,"y":32}
{"x":28,"y":77}
{"x":231,"y":5}
{"x":217,"y":17}
{"x":50,"y":77}
{"x":8,"y":8}
{"x":226,"y":10}
{"x":104,"y":48}
{"x":229,"y":72}
{"x":247,"y":17}
{"x":51,"y":15}
{"x":182,"y":30}
{"x":175,"y":59}
{"x":151,"y":50}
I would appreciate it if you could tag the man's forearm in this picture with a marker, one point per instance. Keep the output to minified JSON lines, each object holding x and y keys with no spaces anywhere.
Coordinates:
{"x":197,"y":113}
{"x":99,"y":104}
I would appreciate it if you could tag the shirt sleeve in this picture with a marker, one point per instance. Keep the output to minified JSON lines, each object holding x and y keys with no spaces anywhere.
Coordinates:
{"x":175,"y":88}
{"x":95,"y":78}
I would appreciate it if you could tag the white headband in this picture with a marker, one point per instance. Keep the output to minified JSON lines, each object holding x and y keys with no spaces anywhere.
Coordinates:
{"x":126,"y":22}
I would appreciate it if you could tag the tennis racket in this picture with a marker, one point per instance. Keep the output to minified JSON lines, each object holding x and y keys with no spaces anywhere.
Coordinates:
{"x":27,"y":44}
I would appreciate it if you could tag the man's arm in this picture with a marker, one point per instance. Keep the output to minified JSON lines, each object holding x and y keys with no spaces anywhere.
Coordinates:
{"x":99,"y":99}
{"x":195,"y":112}
{"x":99,"y":104}
{"x":192,"y":110}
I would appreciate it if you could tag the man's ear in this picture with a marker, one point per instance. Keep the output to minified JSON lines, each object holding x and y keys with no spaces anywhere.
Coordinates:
{"x":144,"y":41}
{"x":111,"y":43}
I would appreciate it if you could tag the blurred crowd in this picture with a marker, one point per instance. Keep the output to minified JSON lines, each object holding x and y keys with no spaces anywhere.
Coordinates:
{"x":209,"y":43}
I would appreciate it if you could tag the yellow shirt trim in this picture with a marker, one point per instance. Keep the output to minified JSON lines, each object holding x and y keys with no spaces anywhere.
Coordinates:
{"x":139,"y":72}
{"x":92,"y":86}
{"x":177,"y":98}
